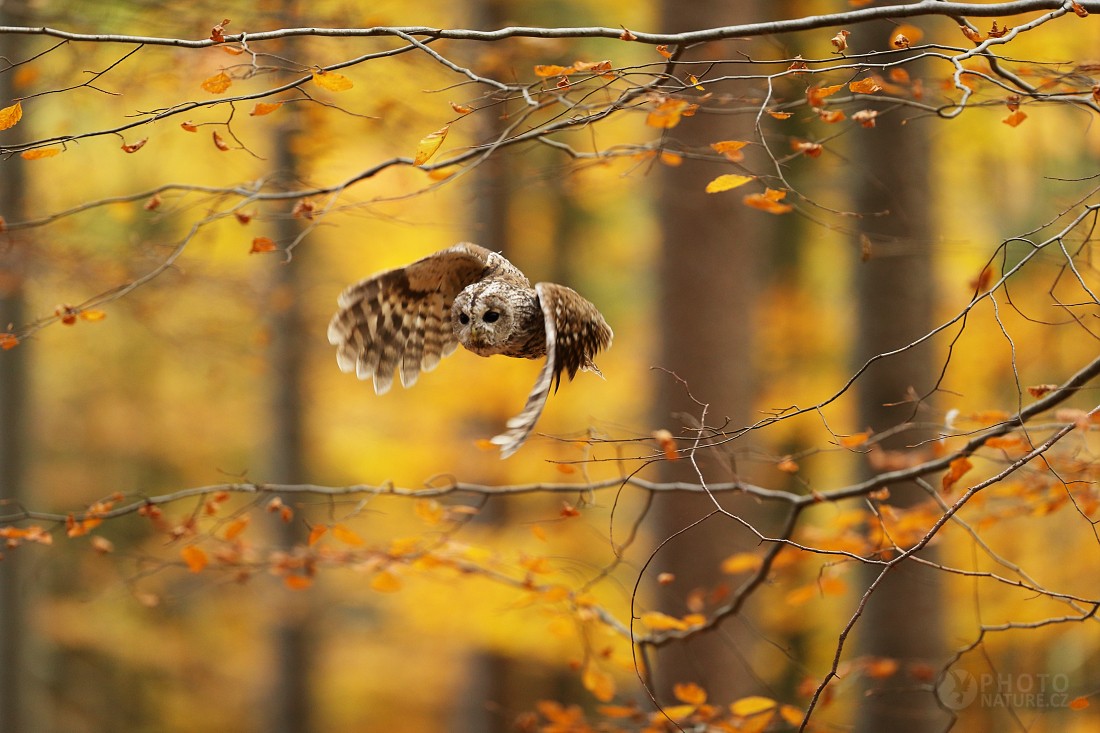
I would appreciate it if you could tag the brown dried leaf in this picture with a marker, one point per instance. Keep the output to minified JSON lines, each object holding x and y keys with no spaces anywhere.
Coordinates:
{"x":217,"y":33}
{"x":134,"y":147}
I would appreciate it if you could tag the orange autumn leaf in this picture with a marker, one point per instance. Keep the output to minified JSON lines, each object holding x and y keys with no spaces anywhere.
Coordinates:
{"x":234,"y":528}
{"x":10,"y":116}
{"x":741,"y":562}
{"x":808,"y":148}
{"x":865,"y":117}
{"x":881,"y":668}
{"x":297,"y":582}
{"x":768,"y":201}
{"x":854,"y":440}
{"x":189,"y":126}
{"x":346,"y":535}
{"x":217,"y":33}
{"x":727,"y":182}
{"x":194,"y":557}
{"x":38,"y":153}
{"x":840,"y":41}
{"x":332,"y":81}
{"x":1079,"y":703}
{"x":134,"y":147}
{"x":667,"y":114}
{"x":1038,"y":390}
{"x":830,"y":115}
{"x":816,"y":95}
{"x":671,"y":159}
{"x":1015,"y":118}
{"x":316,"y":532}
{"x":262,"y":244}
{"x":92,"y":315}
{"x":864,"y":86}
{"x":461,"y":109}
{"x":385,"y":582}
{"x":788,"y":465}
{"x":689,"y":692}
{"x":780,"y":115}
{"x":667,"y":443}
{"x":264,"y":108}
{"x":429,"y":144}
{"x":546,"y":70}
{"x":749,"y":707}
{"x":956,"y":471}
{"x":905,"y":35}
{"x":8,"y":341}
{"x":218,"y":83}
{"x":219,"y":142}
{"x":731,"y":149}
{"x":599,"y":683}
{"x":663,"y":50}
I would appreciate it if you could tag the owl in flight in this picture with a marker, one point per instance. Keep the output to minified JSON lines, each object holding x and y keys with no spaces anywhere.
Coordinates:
{"x":407,"y":319}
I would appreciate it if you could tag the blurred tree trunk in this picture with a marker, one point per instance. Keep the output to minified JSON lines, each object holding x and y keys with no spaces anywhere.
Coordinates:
{"x":708,"y":268}
{"x":895,"y":287}
{"x":14,"y":675}
{"x":289,"y":707}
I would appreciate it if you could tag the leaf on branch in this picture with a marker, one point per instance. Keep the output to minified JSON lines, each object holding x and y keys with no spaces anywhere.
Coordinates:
{"x":134,"y":147}
{"x":671,"y":159}
{"x":741,"y":562}
{"x":189,"y":126}
{"x":194,"y":557}
{"x":219,"y":142}
{"x":1080,"y":10}
{"x":217,"y":33}
{"x":1039,"y":390}
{"x":727,"y":182}
{"x":39,"y":153}
{"x":658,"y":621}
{"x":429,"y":144}
{"x":666,"y":442}
{"x":92,"y":315}
{"x":663,"y":50}
{"x":10,"y":116}
{"x":332,"y":81}
{"x":461,"y":109}
{"x":264,"y":108}
{"x":768,"y":201}
{"x":755,"y":713}
{"x":780,"y":115}
{"x":303,"y":209}
{"x":864,"y":86}
{"x":830,"y":116}
{"x":238,"y":525}
{"x":694,"y":81}
{"x":218,"y":83}
{"x":315,"y":533}
{"x":1015,"y":118}
{"x":627,"y":35}
{"x":667,"y":114}
{"x":547,"y":70}
{"x":865,"y":117}
{"x":854,"y":440}
{"x":1082,"y":702}
{"x":730,"y":149}
{"x":840,"y":41}
{"x":971,"y":34}
{"x":152,"y":203}
{"x":788,"y":465}
{"x":8,"y":341}
{"x":955,"y":471}
{"x":262,"y":244}
{"x":996,"y":32}
{"x":816,"y":95}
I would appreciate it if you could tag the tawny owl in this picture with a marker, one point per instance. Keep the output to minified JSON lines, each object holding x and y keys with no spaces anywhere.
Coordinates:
{"x":409,"y":318}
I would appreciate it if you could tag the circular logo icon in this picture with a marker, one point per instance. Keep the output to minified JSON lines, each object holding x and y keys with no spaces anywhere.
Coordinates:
{"x":957,"y":689}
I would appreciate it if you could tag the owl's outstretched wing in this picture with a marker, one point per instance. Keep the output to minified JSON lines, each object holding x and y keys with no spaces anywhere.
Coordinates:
{"x":402,"y":317}
{"x":575,"y":331}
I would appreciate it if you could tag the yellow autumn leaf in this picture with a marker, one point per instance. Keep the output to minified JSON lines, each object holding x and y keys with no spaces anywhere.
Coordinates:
{"x":234,"y":528}
{"x":218,"y":83}
{"x":726,"y":182}
{"x":731,"y":149}
{"x":332,"y":81}
{"x":9,"y":116}
{"x":92,"y":315}
{"x":689,"y":692}
{"x":658,"y":621}
{"x":545,"y":70}
{"x":429,"y":144}
{"x":753,"y":705}
{"x":430,"y":511}
{"x":264,"y":108}
{"x":864,"y":86}
{"x":39,"y":153}
{"x":741,"y":562}
{"x":385,"y":582}
{"x":194,"y":557}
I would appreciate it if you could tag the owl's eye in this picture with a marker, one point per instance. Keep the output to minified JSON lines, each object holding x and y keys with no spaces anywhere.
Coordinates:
{"x":490,"y":316}
{"x":463,"y":318}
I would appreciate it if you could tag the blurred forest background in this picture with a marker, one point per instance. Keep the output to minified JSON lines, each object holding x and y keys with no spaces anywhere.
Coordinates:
{"x":209,"y":527}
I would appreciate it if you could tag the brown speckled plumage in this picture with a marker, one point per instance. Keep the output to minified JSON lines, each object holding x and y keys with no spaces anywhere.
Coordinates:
{"x":407,"y":319}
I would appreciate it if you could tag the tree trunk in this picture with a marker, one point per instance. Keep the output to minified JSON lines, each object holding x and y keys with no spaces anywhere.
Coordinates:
{"x":903,"y":620}
{"x":707,"y":272}
{"x":13,"y":407}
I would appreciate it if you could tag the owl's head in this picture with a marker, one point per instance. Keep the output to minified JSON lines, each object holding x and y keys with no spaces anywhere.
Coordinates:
{"x":483,"y":316}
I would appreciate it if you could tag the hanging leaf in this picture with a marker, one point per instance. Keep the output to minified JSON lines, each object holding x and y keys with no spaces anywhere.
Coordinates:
{"x":346,"y":535}
{"x":731,"y":149}
{"x":194,"y":557}
{"x":689,"y":692}
{"x":262,"y":244}
{"x":134,"y":147}
{"x":217,"y":33}
{"x":816,"y":95}
{"x":599,"y":683}
{"x":8,"y":341}
{"x":219,"y":142}
{"x":727,"y":182}
{"x":316,"y":532}
{"x":1014,"y":119}
{"x":429,"y":144}
{"x":218,"y":83}
{"x":768,"y":201}
{"x":864,"y":86}
{"x":667,"y":114}
{"x":9,"y":116}
{"x":385,"y":582}
{"x":332,"y":81}
{"x":956,"y":470}
{"x":264,"y":108}
{"x":38,"y":153}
